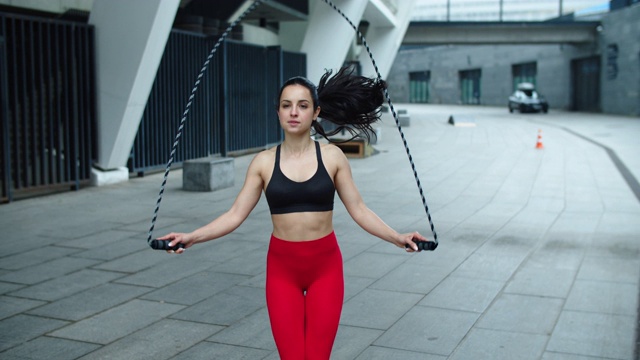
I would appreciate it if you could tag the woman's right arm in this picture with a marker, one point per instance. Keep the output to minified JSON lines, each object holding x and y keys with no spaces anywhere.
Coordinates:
{"x":224,"y":224}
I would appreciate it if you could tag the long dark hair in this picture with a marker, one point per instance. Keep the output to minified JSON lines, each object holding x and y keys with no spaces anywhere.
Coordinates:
{"x":352,"y":102}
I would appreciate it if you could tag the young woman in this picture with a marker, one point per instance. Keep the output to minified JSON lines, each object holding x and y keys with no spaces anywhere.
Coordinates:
{"x":305,"y":285}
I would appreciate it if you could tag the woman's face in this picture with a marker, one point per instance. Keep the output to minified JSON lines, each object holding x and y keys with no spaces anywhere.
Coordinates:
{"x":295,"y":109}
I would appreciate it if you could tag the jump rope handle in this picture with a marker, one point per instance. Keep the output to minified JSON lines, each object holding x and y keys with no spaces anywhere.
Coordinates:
{"x":164,"y":245}
{"x":424,"y":245}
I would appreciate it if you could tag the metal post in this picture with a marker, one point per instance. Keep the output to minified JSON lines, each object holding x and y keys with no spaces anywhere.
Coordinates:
{"x":4,"y":108}
{"x":559,"y":8}
{"x":223,"y":132}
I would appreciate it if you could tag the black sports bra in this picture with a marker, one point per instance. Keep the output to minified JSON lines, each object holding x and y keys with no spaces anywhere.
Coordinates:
{"x":286,"y":196}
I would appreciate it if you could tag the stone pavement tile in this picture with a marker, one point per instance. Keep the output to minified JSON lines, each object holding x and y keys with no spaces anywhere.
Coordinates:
{"x":10,"y":305}
{"x":7,"y":287}
{"x":549,"y":355}
{"x":195,"y":288}
{"x":500,"y":345}
{"x":50,"y":349}
{"x":66,"y":285}
{"x":251,"y":263}
{"x":434,"y":331}
{"x":253,"y":331}
{"x":117,"y":322}
{"x":520,"y":313}
{"x":76,"y":225}
{"x":488,"y":266}
{"x":510,"y":242}
{"x":207,"y":350}
{"x":575,"y":223}
{"x":372,"y":265}
{"x":377,"y":309}
{"x":105,"y":240}
{"x":625,"y":247}
{"x":560,"y":252}
{"x":411,"y":278}
{"x":350,"y":249}
{"x":124,"y":247}
{"x":225,"y":308}
{"x":620,"y":223}
{"x":463,"y":294}
{"x":169,"y":270}
{"x":46,"y":271}
{"x":493,"y":216}
{"x":382,"y":353}
{"x":594,"y":334}
{"x":89,"y":302}
{"x":22,"y":328}
{"x":134,"y":261}
{"x":34,"y":257}
{"x":462,"y":207}
{"x":351,"y":341}
{"x":353,"y":285}
{"x":159,"y":341}
{"x":538,"y":281}
{"x":614,"y":269}
{"x":603,"y":297}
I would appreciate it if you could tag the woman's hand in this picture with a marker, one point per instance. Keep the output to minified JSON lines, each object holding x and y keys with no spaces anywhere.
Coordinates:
{"x":410,"y":239}
{"x":178,"y":238}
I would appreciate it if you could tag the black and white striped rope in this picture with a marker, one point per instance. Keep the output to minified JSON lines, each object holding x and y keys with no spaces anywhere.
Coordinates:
{"x":395,"y":116}
{"x":201,"y":74}
{"x":188,"y":107}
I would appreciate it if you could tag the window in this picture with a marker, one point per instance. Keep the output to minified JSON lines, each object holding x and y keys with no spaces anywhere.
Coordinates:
{"x":470,"y":86}
{"x":524,"y":73}
{"x":419,"y":87}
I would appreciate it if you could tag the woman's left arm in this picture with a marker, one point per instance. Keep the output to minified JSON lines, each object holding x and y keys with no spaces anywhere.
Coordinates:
{"x":361,"y":214}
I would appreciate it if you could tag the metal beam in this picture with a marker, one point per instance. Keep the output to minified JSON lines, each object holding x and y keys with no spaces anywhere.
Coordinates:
{"x":431,"y":33}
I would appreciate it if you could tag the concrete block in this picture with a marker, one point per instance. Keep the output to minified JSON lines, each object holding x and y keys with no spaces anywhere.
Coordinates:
{"x":403,"y":118}
{"x":208,"y":174}
{"x":107,"y":177}
{"x":462,"y":120}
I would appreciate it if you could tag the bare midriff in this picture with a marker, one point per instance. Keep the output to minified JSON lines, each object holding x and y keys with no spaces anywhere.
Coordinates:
{"x":302,"y":226}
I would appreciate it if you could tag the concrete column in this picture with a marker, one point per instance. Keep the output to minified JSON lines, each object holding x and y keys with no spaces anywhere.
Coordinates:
{"x":130,"y":40}
{"x":329,"y":36}
{"x":384,"y":41}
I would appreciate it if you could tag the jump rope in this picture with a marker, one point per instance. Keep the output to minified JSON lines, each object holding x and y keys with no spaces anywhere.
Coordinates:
{"x":164,"y":244}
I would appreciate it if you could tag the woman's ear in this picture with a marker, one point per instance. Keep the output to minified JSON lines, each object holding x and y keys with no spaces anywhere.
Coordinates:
{"x":316,"y":113}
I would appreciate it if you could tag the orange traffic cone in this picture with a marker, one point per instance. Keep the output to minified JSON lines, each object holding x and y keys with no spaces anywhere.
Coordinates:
{"x":539,"y":143}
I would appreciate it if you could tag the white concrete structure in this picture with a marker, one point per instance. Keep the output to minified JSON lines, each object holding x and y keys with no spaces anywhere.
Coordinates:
{"x":130,"y":41}
{"x":131,"y":36}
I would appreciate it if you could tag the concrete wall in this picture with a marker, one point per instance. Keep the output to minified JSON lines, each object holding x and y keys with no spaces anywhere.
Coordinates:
{"x":620,"y":70}
{"x":55,"y":6}
{"x":620,"y":81}
{"x":495,"y":61}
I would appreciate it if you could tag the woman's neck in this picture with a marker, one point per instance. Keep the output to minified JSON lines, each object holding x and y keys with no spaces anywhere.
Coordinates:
{"x":297,"y":145}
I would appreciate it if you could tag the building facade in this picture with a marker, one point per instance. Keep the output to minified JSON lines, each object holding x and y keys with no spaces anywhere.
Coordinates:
{"x":601,"y":75}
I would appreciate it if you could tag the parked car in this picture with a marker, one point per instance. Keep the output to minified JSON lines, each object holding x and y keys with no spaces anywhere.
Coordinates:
{"x":527,"y":99}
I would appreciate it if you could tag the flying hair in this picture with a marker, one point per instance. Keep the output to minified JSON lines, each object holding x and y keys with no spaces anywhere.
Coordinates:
{"x":349,"y":101}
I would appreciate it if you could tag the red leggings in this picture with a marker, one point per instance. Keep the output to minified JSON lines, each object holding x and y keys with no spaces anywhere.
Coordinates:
{"x":305,"y":291}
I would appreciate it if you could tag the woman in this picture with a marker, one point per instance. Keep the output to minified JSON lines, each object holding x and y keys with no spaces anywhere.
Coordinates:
{"x":305,"y":285}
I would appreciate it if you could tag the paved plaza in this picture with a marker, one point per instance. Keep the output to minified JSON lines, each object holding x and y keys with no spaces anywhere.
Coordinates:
{"x":538,"y":256}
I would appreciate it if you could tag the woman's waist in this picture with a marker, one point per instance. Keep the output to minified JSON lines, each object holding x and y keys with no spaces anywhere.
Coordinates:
{"x":309,"y":247}
{"x":304,"y":226}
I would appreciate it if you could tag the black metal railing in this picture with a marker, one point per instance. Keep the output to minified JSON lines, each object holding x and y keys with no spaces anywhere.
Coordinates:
{"x":48,"y":111}
{"x":233,"y":110}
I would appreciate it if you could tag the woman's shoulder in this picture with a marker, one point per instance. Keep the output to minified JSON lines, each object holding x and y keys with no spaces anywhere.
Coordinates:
{"x":264,"y":157}
{"x":332,"y":153}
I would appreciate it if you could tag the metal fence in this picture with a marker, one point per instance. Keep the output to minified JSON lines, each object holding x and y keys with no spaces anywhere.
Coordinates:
{"x":47,"y":93}
{"x":233,"y":110}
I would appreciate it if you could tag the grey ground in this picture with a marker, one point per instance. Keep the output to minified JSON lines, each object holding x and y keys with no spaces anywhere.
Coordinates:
{"x":538,"y":256}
